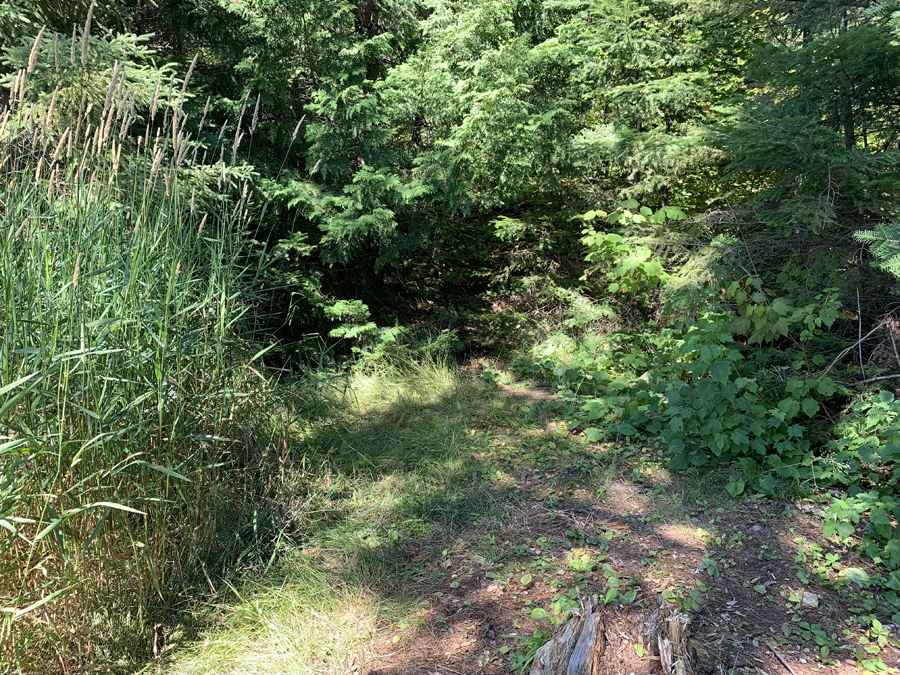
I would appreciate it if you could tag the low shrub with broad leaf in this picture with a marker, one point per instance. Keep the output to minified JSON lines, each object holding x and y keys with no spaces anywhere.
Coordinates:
{"x":741,"y":383}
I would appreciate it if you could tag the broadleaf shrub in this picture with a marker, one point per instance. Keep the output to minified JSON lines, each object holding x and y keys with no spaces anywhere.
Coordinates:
{"x":742,"y":385}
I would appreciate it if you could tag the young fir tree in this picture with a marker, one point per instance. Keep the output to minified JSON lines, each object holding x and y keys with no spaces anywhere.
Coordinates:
{"x":653,"y":74}
{"x":818,"y":138}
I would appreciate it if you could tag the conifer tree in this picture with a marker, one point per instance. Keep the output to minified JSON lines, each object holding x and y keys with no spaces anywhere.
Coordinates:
{"x":820,"y":132}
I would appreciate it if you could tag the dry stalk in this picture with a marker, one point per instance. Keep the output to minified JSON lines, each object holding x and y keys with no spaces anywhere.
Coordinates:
{"x":854,"y":346}
{"x":69,"y":144}
{"x":87,"y":32}
{"x":33,"y":56}
{"x":51,"y":184}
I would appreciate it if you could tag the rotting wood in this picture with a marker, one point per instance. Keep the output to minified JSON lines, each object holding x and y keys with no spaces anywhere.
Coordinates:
{"x":580,"y":644}
{"x":672,"y":639}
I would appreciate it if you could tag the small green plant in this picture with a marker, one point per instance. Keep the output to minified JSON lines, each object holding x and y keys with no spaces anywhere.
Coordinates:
{"x":491,"y":377}
{"x":803,"y":631}
{"x":614,"y":595}
{"x":580,"y":561}
{"x":630,"y":268}
{"x":521,"y":661}
{"x":688,"y":601}
{"x":711,"y":567}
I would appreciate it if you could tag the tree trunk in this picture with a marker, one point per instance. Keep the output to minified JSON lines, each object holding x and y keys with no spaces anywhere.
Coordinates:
{"x":846,"y":103}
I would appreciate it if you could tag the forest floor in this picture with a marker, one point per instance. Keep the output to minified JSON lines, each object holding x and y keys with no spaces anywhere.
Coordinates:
{"x":445,"y":518}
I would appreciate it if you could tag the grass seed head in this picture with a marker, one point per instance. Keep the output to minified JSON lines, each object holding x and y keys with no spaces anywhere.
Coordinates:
{"x":187,"y":78}
{"x":59,"y":146}
{"x":155,"y":100}
{"x":255,"y":115}
{"x":32,"y":58}
{"x":21,"y":87}
{"x":52,"y":108}
{"x":297,"y":129}
{"x":21,"y":228}
{"x":86,"y":37}
{"x":77,"y":266}
{"x":117,"y":68}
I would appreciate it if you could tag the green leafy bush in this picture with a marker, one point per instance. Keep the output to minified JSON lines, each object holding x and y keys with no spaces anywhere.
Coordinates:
{"x":867,"y":455}
{"x":741,"y":385}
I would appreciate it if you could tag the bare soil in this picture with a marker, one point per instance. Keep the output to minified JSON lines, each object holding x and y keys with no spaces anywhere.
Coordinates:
{"x":655,"y":532}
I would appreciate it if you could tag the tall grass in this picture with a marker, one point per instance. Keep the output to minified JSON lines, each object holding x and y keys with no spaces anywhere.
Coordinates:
{"x":380,"y":475}
{"x":122,"y":297}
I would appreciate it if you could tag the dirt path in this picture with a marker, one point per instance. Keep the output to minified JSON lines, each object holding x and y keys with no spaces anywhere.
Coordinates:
{"x":763,"y":586}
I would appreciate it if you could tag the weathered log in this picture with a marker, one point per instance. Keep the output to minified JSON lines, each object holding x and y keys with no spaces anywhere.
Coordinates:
{"x":573,"y":649}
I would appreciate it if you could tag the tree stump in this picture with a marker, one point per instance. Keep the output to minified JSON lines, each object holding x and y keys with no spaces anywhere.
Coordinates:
{"x":585,"y":643}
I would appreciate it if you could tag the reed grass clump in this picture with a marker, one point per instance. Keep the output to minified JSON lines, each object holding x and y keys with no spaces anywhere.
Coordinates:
{"x":123,"y":292}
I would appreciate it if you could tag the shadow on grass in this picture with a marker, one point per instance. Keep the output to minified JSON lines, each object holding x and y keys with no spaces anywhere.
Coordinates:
{"x":426,"y":521}
{"x":370,"y":494}
{"x":412,"y":483}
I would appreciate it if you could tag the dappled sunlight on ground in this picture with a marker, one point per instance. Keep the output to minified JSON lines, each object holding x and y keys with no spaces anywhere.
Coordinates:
{"x":451,"y":524}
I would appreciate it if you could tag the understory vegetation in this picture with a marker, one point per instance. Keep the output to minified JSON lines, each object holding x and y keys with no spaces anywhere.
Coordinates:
{"x":272,"y":271}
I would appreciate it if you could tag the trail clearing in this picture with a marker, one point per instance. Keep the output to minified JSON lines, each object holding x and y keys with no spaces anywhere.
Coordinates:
{"x":447,"y":517}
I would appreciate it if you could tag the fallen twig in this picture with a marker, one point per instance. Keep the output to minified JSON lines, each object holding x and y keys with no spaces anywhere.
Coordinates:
{"x":780,"y":658}
{"x":876,"y":379}
{"x":450,"y":669}
{"x":853,"y":346}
